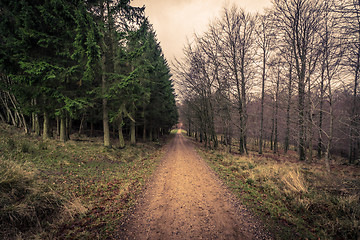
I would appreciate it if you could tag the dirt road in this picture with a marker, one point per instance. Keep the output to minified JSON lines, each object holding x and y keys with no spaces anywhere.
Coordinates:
{"x":185,"y":200}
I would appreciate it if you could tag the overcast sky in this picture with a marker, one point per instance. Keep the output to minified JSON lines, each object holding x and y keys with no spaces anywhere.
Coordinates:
{"x":176,"y":20}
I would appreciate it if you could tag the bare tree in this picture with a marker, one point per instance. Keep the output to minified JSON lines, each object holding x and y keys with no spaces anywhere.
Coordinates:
{"x":299,"y":44}
{"x":288,"y":58}
{"x":197,"y":75}
{"x":236,"y":42}
{"x":298,"y":21}
{"x":351,"y":33}
{"x":264,"y":39}
{"x":332,"y":52}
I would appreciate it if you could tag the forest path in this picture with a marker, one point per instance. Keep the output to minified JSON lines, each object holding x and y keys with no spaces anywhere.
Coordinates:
{"x":186,"y":200}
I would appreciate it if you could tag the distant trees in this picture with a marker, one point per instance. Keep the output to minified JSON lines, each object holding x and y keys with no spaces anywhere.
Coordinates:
{"x":350,"y":29}
{"x":225,"y":56}
{"x":81,"y":61}
{"x":199,"y":76}
{"x":291,"y":67}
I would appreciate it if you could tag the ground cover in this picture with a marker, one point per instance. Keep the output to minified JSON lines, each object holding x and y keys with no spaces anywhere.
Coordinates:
{"x":295,"y":199}
{"x":74,"y":190}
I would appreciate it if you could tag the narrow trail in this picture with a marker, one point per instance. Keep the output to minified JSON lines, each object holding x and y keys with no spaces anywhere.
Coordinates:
{"x":185,"y":200}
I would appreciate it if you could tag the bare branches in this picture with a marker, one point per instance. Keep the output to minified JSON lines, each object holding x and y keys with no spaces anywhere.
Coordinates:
{"x":245,"y":68}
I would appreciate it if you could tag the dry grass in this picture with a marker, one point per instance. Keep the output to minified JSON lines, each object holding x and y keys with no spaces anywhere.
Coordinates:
{"x":25,"y":202}
{"x":295,"y":199}
{"x":294,"y":181}
{"x":73,"y":208}
{"x":76,"y":190}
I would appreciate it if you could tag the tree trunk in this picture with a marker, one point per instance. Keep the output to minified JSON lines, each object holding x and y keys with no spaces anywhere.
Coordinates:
{"x":205,"y":140}
{"x":262,"y":103}
{"x":63,"y":137}
{"x":105,"y":114}
{"x":353,"y":127}
{"x":241,"y":114}
{"x":19,"y":118}
{"x":287,"y":133}
{"x":272,"y":128}
{"x":2,"y":117}
{"x":9,"y":115}
{"x":212,"y":125}
{"x":276,"y":113}
{"x":310,"y":123}
{"x":320,"y":144}
{"x":157,"y":133}
{"x":189,"y":128}
{"x":229,"y":144}
{"x":143,"y":116}
{"x":81,"y":124}
{"x":57,"y":125}
{"x":68,"y":127}
{"x":151,"y":135}
{"x":104,"y":67}
{"x":132,"y":128}
{"x":301,"y":105}
{"x":46,"y":126}
{"x":244,"y":110}
{"x":121,"y":136}
{"x":32,"y":118}
{"x":328,"y":146}
{"x":26,"y":128}
{"x":310,"y":138}
{"x":228,"y":135}
{"x":144,"y":132}
{"x":37,"y":124}
{"x":91,"y":129}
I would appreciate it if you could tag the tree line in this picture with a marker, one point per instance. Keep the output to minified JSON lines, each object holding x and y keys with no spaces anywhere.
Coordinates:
{"x":95,"y":62}
{"x":284,"y":79}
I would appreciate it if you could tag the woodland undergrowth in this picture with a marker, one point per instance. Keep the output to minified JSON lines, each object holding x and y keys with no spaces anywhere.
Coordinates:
{"x":76,"y":190}
{"x":295,"y":200}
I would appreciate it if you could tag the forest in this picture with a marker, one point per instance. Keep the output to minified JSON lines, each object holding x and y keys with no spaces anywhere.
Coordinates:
{"x":286,"y":79}
{"x":86,"y":98}
{"x":93,"y":67}
{"x":266,"y":104}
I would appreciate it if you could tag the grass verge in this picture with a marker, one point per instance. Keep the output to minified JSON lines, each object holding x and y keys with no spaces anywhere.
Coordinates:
{"x":77,"y":190}
{"x":295,"y":200}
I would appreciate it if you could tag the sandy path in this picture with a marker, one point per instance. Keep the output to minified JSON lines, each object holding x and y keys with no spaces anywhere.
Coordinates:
{"x":185,"y":200}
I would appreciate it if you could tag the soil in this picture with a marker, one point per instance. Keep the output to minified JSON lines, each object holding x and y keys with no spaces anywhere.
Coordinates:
{"x":186,"y":200}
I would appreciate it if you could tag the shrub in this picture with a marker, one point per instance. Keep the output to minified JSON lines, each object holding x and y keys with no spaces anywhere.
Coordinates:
{"x":43,"y":146}
{"x":26,"y":148}
{"x":250,"y":181}
{"x":11,"y":144}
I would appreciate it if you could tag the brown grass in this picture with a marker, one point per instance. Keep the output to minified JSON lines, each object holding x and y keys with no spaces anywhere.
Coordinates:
{"x":76,"y":190}
{"x":295,"y":199}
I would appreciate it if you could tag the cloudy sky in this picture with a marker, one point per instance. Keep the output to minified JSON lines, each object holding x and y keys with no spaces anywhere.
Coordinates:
{"x":176,"y":20}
